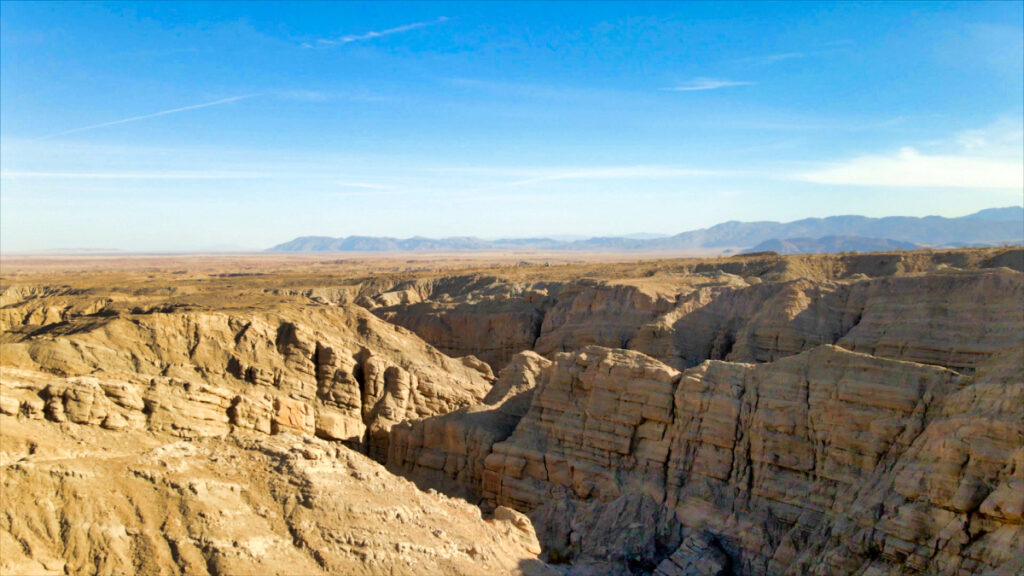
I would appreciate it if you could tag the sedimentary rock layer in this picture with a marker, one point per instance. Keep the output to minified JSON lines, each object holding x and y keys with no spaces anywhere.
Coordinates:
{"x":947,"y":317}
{"x":338,"y":373}
{"x":824,"y":462}
{"x":79,"y":499}
{"x":447,"y":453}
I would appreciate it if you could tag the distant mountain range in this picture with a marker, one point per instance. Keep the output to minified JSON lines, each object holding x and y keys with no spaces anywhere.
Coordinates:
{"x":827,"y":244}
{"x":833,"y":234}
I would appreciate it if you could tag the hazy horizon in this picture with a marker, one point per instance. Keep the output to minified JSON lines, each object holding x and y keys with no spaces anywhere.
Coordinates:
{"x":165,"y":126}
{"x":231,"y":248}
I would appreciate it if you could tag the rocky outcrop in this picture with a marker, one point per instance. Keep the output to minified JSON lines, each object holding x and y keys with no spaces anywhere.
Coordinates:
{"x":827,"y":462}
{"x":954,"y":319}
{"x":447,"y":453}
{"x":469,"y":315}
{"x":601,"y":411}
{"x":750,"y":309}
{"x":145,"y":436}
{"x":339,"y":373}
{"x":83,"y":500}
{"x":491,"y":331}
{"x":841,"y":414}
{"x":518,"y":376}
{"x":605,"y":314}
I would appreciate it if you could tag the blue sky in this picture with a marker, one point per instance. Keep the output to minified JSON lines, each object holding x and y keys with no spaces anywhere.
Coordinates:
{"x":190,"y":126}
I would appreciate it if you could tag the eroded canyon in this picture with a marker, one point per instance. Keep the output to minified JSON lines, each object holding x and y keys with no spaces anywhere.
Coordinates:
{"x":761,"y":414}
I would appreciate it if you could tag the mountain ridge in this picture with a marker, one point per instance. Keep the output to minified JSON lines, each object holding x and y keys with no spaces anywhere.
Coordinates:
{"x":989,"y":226}
{"x":831,"y":244}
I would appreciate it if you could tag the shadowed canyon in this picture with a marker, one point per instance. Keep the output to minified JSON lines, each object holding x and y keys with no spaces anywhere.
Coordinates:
{"x":529,"y":414}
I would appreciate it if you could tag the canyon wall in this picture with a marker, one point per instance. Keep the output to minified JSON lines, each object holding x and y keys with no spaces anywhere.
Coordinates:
{"x":174,"y":439}
{"x":747,"y":309}
{"x":862,"y":424}
{"x":338,"y":373}
{"x":825,"y":462}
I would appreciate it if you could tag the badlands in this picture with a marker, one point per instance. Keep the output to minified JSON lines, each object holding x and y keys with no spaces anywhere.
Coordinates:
{"x":513,"y":414}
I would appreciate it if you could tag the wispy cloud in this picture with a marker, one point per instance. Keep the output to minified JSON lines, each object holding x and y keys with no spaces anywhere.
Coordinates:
{"x":910,"y":168}
{"x":145,"y":116}
{"x":612,"y":173}
{"x":373,"y":34}
{"x":527,"y":177}
{"x":770,"y":58}
{"x":804,"y":52}
{"x":706,"y":84}
{"x":275,"y":173}
{"x":319,"y":96}
{"x":1004,"y":137}
{"x":177,"y":175}
{"x":985,"y":158}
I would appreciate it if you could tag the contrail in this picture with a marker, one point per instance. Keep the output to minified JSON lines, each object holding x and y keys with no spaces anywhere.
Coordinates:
{"x":143,"y":117}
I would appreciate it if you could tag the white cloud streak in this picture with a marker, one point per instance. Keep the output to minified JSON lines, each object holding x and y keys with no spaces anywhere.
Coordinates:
{"x":319,"y":96}
{"x":767,"y":59}
{"x":698,"y":84}
{"x":592,"y":174}
{"x":613,"y":173}
{"x":144,"y":117}
{"x":348,"y":39}
{"x":183,"y":175}
{"x":910,"y":168}
{"x":770,"y":58}
{"x":301,"y":174}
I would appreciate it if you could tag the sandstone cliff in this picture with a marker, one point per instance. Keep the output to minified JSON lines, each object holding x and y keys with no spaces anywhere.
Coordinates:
{"x":485,"y":317}
{"x":79,"y":499}
{"x":918,"y":306}
{"x":447,"y":453}
{"x":171,"y":439}
{"x":338,"y":373}
{"x":826,"y":462}
{"x":955,"y":319}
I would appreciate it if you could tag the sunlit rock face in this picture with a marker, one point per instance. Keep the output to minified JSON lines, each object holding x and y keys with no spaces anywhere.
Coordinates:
{"x":828,"y":461}
{"x":758,"y":415}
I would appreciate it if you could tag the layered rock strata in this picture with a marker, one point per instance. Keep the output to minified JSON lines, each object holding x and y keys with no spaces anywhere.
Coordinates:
{"x":481,"y":316}
{"x":605,"y":314}
{"x":447,"y":453}
{"x":825,"y":462}
{"x":860,"y":414}
{"x":173,"y":440}
{"x":338,"y":373}
{"x":945,"y":316}
{"x":951,"y":319}
{"x":79,"y":499}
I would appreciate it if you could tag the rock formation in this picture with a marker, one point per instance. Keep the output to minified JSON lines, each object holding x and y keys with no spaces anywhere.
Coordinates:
{"x":173,"y":440}
{"x":82,"y":499}
{"x":916,"y":306}
{"x":955,"y":319}
{"x":338,"y":373}
{"x":825,"y":462}
{"x":448,"y":452}
{"x":762,"y":414}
